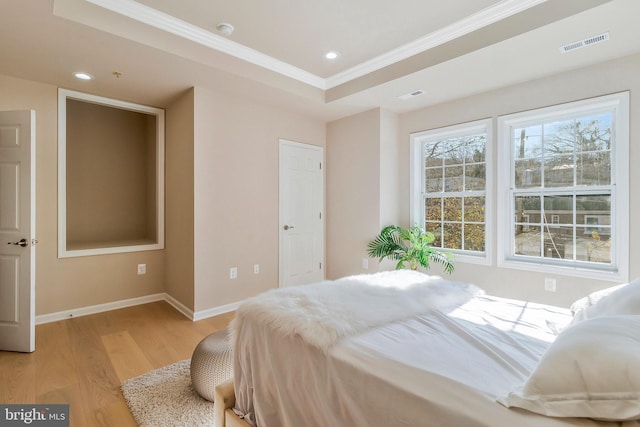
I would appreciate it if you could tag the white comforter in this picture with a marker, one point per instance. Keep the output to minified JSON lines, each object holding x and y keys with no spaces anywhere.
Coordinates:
{"x":326,"y":312}
{"x":443,"y":368}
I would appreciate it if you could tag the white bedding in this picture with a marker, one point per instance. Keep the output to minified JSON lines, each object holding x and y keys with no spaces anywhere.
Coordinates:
{"x":324,"y":313}
{"x":438,"y":369}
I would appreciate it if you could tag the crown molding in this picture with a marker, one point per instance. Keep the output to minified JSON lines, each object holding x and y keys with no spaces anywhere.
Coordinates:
{"x":481,"y":19}
{"x":165,"y":22}
{"x":178,"y":27}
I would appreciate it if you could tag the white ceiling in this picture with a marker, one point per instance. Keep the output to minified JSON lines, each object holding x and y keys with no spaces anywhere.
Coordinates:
{"x":299,"y":32}
{"x":447,"y":49}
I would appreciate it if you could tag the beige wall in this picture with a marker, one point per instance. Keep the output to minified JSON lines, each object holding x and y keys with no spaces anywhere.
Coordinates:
{"x":362,"y":188}
{"x":151,"y":168}
{"x":108,"y":182}
{"x":390,"y":164}
{"x":222,"y":192}
{"x":221,"y":204}
{"x":65,"y":284}
{"x":615,"y":76}
{"x":236,"y":192}
{"x":179,"y":231}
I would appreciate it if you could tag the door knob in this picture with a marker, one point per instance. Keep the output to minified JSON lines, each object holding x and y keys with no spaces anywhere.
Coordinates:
{"x":286,"y":227}
{"x":21,"y":242}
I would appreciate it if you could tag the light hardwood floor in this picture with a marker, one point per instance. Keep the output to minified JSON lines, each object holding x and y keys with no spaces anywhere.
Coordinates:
{"x":82,"y":361}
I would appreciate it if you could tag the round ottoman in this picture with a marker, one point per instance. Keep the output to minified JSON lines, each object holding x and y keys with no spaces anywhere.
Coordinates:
{"x":211,"y":363}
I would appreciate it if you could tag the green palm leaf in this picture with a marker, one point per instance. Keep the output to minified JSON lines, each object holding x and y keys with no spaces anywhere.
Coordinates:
{"x":387,"y":244}
{"x":411,"y":247}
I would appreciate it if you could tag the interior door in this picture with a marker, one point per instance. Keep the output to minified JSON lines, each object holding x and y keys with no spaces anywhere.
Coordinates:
{"x":17,"y":231}
{"x":301,"y":213}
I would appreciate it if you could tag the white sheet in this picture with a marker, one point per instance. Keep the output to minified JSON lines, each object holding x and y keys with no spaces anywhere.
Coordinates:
{"x":326,"y":312}
{"x":431,"y":370}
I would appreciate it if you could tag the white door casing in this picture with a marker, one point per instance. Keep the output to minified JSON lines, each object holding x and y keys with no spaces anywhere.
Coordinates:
{"x":301,"y":222}
{"x":17,"y":230}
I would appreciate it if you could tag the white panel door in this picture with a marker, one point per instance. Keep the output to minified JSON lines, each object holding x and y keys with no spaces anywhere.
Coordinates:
{"x":301,"y":214}
{"x":17,"y":231}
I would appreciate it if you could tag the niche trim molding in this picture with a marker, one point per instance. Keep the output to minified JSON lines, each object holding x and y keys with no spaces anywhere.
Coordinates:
{"x":155,"y":240}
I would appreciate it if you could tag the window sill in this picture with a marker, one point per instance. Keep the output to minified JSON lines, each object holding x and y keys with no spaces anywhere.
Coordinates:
{"x":472,"y":259}
{"x":587,"y":273}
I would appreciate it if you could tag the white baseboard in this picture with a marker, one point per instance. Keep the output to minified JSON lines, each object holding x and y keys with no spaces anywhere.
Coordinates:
{"x":94,"y":309}
{"x":211,"y":312}
{"x":186,"y":311}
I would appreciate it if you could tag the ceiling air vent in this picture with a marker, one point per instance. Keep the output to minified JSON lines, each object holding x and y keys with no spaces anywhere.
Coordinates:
{"x":585,"y":42}
{"x":411,"y":94}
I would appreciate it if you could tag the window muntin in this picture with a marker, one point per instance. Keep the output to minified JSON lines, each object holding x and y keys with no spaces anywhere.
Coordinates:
{"x":566,"y":187}
{"x":586,"y":240}
{"x":451,"y":179}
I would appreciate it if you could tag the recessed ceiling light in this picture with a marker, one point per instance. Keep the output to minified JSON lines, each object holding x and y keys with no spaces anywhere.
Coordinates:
{"x":82,"y":75}
{"x":331,"y":54}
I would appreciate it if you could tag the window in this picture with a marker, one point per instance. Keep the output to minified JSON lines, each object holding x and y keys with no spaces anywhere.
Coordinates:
{"x":564,"y":188}
{"x":449,"y":183}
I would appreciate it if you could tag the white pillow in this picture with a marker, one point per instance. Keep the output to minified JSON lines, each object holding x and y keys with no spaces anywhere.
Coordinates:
{"x":592,"y":370}
{"x":592,"y":298}
{"x":623,"y":299}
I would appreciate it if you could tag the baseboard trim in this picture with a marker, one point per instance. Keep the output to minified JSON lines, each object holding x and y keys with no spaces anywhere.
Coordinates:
{"x":99,"y":308}
{"x":183,"y":309}
{"x":211,"y":312}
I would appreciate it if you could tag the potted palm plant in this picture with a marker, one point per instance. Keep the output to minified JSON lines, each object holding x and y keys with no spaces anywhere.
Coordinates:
{"x":411,"y":247}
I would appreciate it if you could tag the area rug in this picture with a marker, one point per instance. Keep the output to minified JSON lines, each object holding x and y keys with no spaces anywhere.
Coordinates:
{"x":165,"y":397}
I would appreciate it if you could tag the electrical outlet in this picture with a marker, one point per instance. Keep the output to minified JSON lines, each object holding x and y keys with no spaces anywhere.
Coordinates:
{"x":256,"y":268}
{"x":142,"y":268}
{"x":233,"y":273}
{"x":365,"y":263}
{"x":549,"y":284}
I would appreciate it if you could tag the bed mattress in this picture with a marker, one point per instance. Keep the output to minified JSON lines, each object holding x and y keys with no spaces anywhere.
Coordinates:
{"x":445,"y":368}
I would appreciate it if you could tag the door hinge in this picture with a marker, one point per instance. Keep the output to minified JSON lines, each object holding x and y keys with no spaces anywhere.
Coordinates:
{"x":320,"y":266}
{"x":320,"y":165}
{"x":320,"y":215}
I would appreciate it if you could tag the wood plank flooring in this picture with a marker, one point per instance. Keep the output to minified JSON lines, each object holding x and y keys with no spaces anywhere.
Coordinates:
{"x":82,"y":361}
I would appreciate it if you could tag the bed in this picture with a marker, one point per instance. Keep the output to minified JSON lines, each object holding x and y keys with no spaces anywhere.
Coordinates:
{"x":407,"y":349}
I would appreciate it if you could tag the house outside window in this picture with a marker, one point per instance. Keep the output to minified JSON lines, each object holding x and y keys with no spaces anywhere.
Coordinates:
{"x":449,"y":183}
{"x":563,"y":188}
{"x":525,"y":218}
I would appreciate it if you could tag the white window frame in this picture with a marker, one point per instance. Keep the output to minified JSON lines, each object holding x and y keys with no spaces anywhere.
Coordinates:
{"x":417,"y":181}
{"x":597,"y":226}
{"x":618,"y":271}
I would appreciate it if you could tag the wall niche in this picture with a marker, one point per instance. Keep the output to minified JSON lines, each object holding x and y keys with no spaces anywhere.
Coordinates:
{"x":110,"y":176}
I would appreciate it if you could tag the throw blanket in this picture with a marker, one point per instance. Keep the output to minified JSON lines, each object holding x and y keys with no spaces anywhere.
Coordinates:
{"x":325,"y":312}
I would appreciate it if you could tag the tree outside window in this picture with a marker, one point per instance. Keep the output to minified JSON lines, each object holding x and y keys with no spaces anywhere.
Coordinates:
{"x":565,"y":186}
{"x":557,"y":166}
{"x":454,"y":182}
